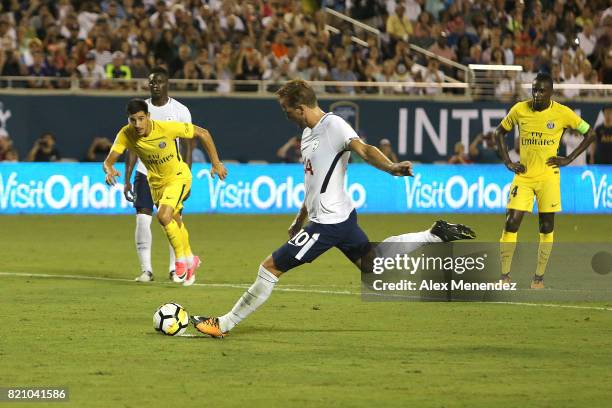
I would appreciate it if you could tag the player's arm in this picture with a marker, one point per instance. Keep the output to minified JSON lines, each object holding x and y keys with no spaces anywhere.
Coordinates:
{"x":506,"y":125}
{"x":559,"y":161}
{"x":373,"y":156}
{"x":186,"y":146}
{"x":589,"y":136}
{"x":298,"y":222}
{"x":109,"y":167}
{"x":500,"y":138}
{"x":187,"y":149}
{"x":117,"y":149}
{"x":209,"y":145}
{"x":130,"y":162}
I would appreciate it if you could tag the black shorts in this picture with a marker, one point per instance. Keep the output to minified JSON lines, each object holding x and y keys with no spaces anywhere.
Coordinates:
{"x":314,"y":239}
{"x":142,"y":192}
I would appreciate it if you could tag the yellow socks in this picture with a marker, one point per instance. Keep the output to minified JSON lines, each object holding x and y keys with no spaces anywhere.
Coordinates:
{"x":544,"y":250}
{"x":175,"y":236}
{"x":506,"y":250}
{"x":186,"y":245}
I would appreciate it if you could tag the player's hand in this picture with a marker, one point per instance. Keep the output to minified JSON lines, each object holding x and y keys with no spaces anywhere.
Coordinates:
{"x":401,"y":169}
{"x":128,"y":192}
{"x":219,"y":170}
{"x":111,"y":176}
{"x":294,"y":228}
{"x":517,"y":167}
{"x":558,"y":161}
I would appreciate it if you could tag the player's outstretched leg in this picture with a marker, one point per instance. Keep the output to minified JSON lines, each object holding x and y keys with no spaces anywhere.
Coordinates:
{"x":440,"y":231}
{"x":253,"y":298}
{"x":143,"y":240}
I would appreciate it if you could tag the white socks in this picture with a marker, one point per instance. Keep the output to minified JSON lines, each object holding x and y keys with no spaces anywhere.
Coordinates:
{"x":414,"y":240}
{"x":143,"y":241}
{"x":171,"y":266}
{"x":254,"y":297}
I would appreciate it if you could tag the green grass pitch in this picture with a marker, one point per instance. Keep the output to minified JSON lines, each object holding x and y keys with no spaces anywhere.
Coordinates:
{"x":315,"y":343}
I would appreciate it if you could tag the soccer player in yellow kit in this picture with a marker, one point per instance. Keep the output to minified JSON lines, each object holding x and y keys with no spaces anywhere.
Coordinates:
{"x":168,"y":175}
{"x":541,"y":124}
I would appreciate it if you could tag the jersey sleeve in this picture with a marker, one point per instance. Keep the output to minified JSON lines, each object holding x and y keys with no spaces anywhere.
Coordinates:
{"x":120,"y":144}
{"x":341,"y":133}
{"x":181,"y":129}
{"x":511,"y":119}
{"x":575,"y":122}
{"x":185,"y":115}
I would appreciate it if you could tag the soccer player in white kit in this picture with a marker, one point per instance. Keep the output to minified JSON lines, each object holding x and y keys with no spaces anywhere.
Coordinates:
{"x":327,"y":141}
{"x":161,"y":107}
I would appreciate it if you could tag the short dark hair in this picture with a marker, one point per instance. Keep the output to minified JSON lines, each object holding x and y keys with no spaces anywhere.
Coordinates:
{"x":159,"y":71}
{"x":136,"y":105}
{"x":297,"y":92}
{"x":544,"y":77}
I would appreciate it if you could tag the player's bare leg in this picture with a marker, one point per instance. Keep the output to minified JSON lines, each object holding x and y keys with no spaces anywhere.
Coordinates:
{"x":507,"y":242}
{"x":547,"y":226}
{"x":143,"y":239}
{"x":251,"y":299}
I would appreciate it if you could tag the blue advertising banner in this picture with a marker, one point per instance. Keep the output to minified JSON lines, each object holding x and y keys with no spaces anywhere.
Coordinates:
{"x":79,"y":188}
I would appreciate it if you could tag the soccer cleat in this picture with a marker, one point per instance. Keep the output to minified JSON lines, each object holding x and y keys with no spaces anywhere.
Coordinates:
{"x":207,"y":325}
{"x":180,"y":269}
{"x":505,"y":278}
{"x":190,"y":276}
{"x":451,"y":232}
{"x":145,"y":276}
{"x":537,"y":282}
{"x":172,"y":276}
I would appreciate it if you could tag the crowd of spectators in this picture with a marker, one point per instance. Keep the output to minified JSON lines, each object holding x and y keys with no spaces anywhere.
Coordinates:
{"x":227,"y":40}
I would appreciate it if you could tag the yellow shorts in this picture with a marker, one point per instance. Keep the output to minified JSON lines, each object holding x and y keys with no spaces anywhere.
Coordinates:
{"x":546,"y":192}
{"x":171,"y":194}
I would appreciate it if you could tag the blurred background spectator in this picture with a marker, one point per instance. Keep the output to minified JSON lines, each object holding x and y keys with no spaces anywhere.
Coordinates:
{"x":483,"y":149}
{"x":601,"y":150}
{"x":279,"y":39}
{"x":44,"y":149}
{"x":291,"y":151}
{"x":459,"y":156}
{"x":98,"y":150}
{"x":385,"y":146}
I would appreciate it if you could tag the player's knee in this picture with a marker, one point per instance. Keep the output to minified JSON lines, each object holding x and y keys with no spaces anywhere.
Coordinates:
{"x":164,"y":217}
{"x":547,"y":226}
{"x":269,"y":265}
{"x":146,"y":211}
{"x":512,"y":224}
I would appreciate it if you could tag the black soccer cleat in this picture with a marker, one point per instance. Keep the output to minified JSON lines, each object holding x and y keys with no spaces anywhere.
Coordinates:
{"x":451,"y":232}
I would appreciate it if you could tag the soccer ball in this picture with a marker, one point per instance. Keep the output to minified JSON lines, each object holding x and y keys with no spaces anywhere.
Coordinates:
{"x":171,"y":319}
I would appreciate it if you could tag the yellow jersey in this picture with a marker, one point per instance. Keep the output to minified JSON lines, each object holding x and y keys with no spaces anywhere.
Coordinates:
{"x":158,"y":151}
{"x":540,"y":133}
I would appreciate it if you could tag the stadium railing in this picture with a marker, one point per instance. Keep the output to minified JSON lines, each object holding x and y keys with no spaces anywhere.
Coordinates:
{"x":477,"y":88}
{"x":360,"y":27}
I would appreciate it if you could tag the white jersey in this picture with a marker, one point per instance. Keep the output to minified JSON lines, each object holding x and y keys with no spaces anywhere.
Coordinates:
{"x":172,"y":110}
{"x":326,"y":153}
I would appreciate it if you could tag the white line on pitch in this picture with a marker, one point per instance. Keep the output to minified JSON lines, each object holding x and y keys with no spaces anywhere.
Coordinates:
{"x":284,"y":288}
